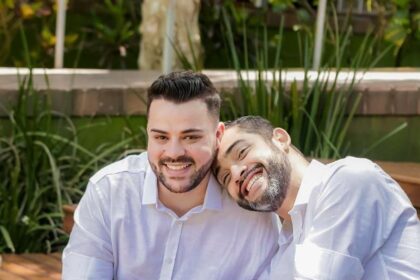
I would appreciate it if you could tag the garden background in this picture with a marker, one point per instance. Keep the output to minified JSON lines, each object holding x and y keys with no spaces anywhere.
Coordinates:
{"x":58,"y":128}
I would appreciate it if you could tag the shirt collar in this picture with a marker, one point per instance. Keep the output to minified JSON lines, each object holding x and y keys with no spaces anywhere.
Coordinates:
{"x":150,"y":192}
{"x":213,"y":199}
{"x":312,"y":177}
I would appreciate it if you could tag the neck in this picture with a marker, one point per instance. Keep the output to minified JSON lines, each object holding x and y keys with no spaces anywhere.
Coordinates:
{"x":298,"y":167}
{"x":181,"y":203}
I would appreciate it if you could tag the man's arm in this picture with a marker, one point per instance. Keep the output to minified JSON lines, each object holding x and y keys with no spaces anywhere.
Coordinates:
{"x":88,"y":255}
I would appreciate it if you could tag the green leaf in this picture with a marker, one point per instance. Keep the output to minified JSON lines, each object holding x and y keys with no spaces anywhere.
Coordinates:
{"x":7,"y":238}
{"x":401,"y":3}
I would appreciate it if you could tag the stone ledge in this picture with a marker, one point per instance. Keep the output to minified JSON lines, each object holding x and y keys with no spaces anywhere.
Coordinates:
{"x":90,"y":92}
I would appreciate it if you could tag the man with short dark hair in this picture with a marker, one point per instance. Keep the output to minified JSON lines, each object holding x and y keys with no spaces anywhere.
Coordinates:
{"x":344,"y":220}
{"x":161,"y":214}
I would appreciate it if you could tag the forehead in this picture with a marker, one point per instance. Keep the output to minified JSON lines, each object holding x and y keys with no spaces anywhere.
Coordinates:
{"x":234,"y":138}
{"x":169,"y":116}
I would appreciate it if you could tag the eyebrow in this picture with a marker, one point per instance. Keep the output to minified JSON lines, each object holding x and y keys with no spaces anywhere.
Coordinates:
{"x":158,"y":131}
{"x":229,"y":150}
{"x":191,"y":130}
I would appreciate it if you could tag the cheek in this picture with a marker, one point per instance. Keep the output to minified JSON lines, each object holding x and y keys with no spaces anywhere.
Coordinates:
{"x":231,"y":190}
{"x":153,"y":151}
{"x":205,"y":146}
{"x":201,"y":153}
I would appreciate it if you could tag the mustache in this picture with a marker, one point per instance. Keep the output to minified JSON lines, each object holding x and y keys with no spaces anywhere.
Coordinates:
{"x":180,"y":159}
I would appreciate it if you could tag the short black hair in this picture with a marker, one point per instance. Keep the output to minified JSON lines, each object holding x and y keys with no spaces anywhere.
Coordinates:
{"x":253,"y":124}
{"x":256,"y":125}
{"x":184,"y":86}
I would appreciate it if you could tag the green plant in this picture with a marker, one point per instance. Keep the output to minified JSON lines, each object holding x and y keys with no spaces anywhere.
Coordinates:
{"x":196,"y":63}
{"x":38,"y":19}
{"x":318,"y":111}
{"x":114,"y":32}
{"x":404,"y":26}
{"x":8,"y":29}
{"x":43,"y":167}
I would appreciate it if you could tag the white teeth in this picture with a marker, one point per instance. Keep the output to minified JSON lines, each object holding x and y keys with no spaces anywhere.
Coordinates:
{"x":176,"y":166}
{"x":252,"y":181}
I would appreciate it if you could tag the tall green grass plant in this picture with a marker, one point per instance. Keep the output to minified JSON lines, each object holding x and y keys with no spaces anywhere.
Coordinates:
{"x":43,"y":166}
{"x":318,"y":110}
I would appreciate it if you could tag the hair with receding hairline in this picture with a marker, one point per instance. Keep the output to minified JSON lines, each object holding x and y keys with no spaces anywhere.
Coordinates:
{"x":254,"y":125}
{"x":185,"y":86}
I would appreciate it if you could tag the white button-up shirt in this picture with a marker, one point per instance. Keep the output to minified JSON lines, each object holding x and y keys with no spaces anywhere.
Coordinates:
{"x":350,"y":220}
{"x":123,"y":231}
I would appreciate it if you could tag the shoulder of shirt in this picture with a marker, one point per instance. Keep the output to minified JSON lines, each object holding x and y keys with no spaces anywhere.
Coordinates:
{"x":355,"y":172}
{"x":131,"y":164}
{"x":352,"y":164}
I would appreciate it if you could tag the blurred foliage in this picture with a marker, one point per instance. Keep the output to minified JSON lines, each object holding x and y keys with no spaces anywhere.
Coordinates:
{"x":403,"y":26}
{"x":104,"y":34}
{"x":38,"y":20}
{"x":393,"y":22}
{"x":113,"y":32}
{"x":317,"y":111}
{"x":98,"y":34}
{"x":44,"y":166}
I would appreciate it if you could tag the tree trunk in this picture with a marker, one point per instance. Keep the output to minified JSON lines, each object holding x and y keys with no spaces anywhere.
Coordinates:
{"x":187,"y":39}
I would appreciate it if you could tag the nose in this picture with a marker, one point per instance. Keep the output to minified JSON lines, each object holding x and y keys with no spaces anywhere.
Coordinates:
{"x":174,"y":149}
{"x":237,"y":172}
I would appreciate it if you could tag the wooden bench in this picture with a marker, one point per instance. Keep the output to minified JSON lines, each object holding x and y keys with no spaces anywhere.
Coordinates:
{"x":30,"y":266}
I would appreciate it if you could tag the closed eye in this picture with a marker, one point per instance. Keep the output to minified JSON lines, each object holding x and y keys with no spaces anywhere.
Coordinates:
{"x":226,"y":179}
{"x":242,"y":153}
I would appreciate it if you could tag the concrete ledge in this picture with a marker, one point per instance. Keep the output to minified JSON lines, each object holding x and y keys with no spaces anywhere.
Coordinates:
{"x":90,"y":92}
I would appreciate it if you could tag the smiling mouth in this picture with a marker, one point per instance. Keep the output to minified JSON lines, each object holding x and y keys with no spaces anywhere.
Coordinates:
{"x":252,"y":181}
{"x":177,"y":166}
{"x":250,"y":178}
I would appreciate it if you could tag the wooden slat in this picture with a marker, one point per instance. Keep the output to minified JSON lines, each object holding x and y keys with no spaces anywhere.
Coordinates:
{"x":404,"y":171}
{"x":4,"y":275}
{"x":48,"y":261}
{"x":30,"y":266}
{"x":413,"y":192}
{"x":68,"y":221}
{"x":56,"y":256}
{"x":18,"y":269}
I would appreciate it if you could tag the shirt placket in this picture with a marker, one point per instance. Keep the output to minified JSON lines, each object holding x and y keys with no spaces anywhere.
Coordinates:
{"x":171,"y":250}
{"x":297,"y":225}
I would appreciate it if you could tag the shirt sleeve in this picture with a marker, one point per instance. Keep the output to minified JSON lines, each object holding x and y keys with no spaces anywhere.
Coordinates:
{"x":88,"y":255}
{"x":349,"y":224}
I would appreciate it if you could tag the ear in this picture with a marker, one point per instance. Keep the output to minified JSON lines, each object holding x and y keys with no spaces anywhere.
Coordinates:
{"x":219,"y":133}
{"x":281,"y":138}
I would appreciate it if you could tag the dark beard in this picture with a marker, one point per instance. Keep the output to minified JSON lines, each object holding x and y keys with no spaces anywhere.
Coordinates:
{"x":196,"y":178}
{"x":278,"y":170}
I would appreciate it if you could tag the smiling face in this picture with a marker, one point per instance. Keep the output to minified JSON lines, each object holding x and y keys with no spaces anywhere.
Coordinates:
{"x":182,"y":140}
{"x":255,"y":172}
